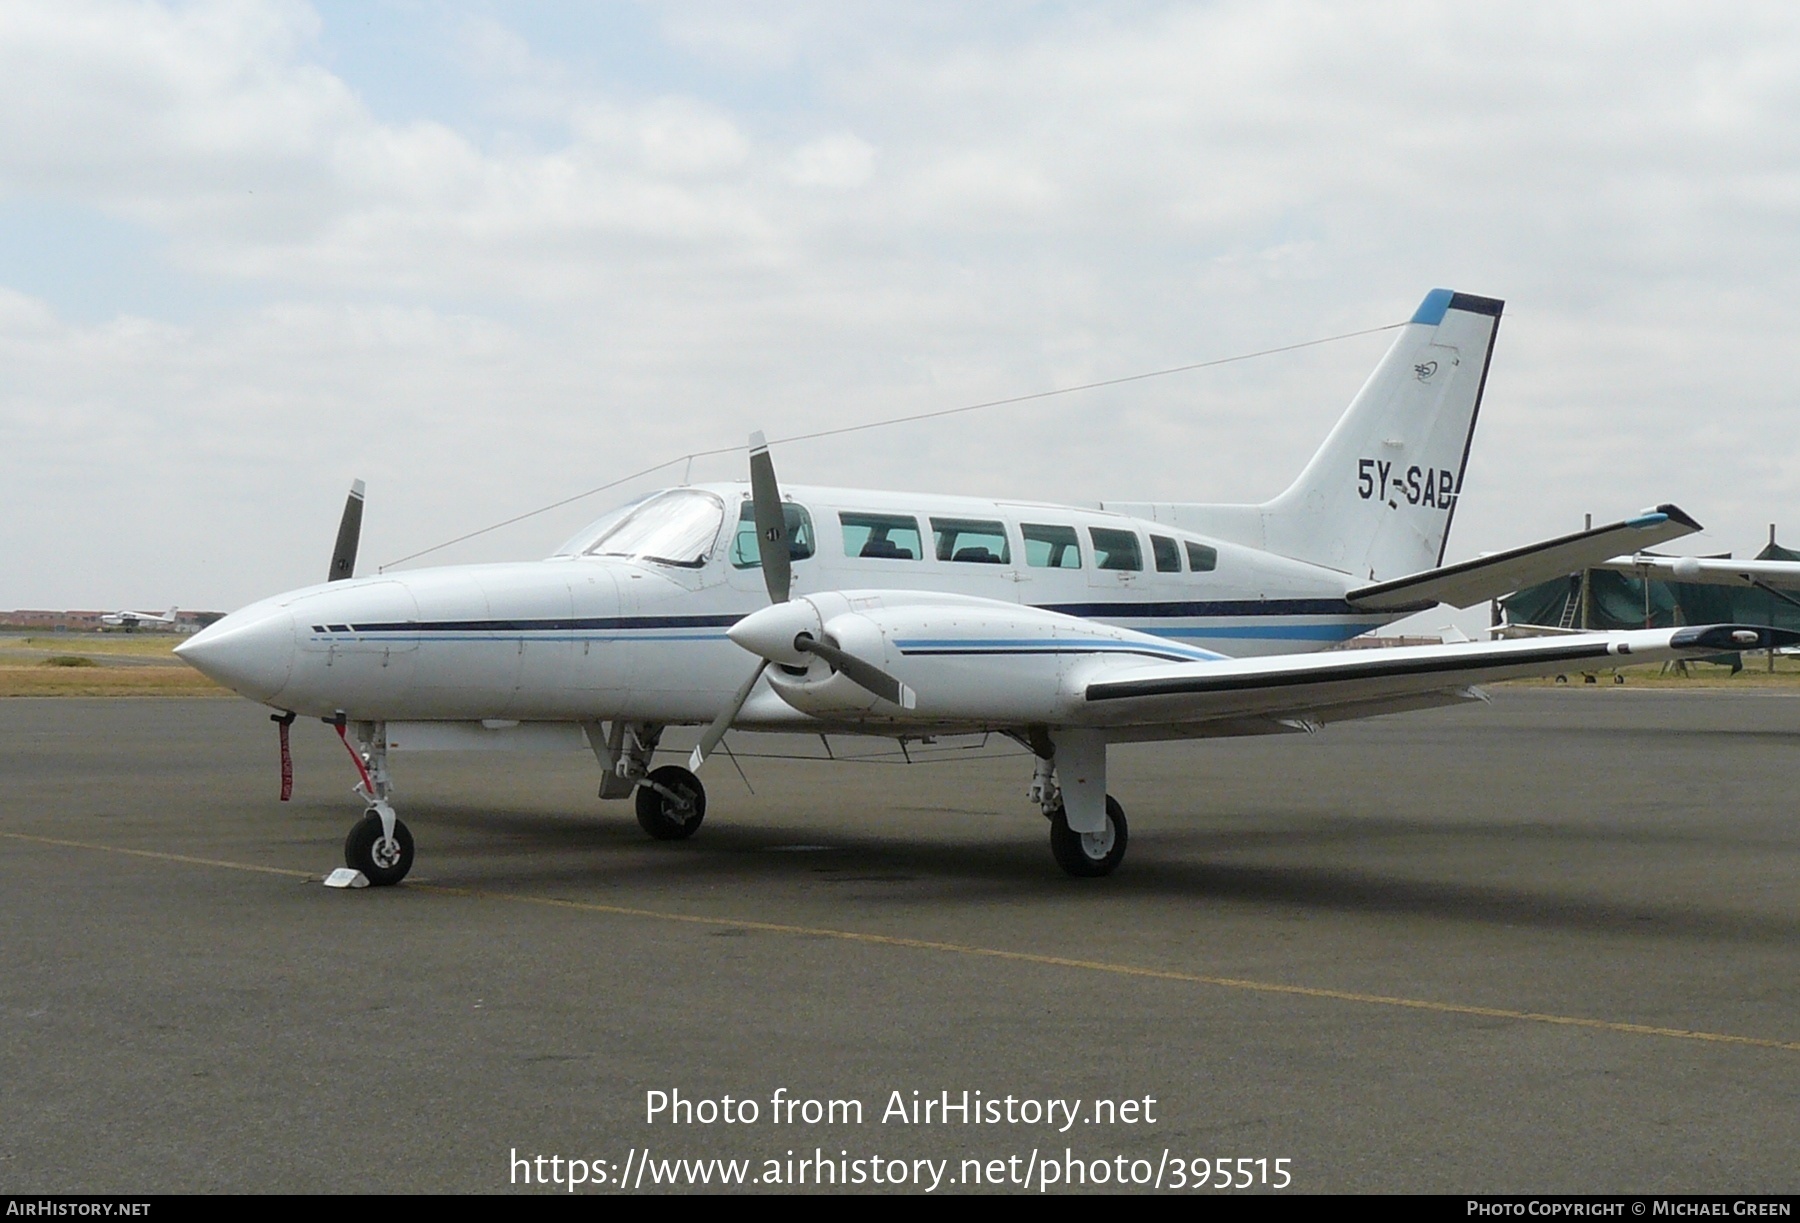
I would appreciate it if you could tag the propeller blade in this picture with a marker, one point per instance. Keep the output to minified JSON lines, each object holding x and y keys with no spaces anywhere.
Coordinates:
{"x":867,"y":675}
{"x":722,"y":723}
{"x":771,"y":522}
{"x":343,"y":557}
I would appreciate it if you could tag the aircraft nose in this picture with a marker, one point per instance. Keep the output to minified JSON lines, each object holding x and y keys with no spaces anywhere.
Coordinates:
{"x":249,"y":651}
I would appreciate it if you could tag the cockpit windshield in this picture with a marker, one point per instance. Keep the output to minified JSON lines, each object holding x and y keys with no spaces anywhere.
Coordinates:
{"x":585,"y":538}
{"x":678,"y":527}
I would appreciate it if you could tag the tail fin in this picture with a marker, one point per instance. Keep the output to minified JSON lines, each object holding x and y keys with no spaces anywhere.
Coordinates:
{"x":1377,"y":499}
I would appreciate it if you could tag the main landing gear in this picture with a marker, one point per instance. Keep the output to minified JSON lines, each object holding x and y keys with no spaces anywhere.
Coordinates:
{"x":379,"y":845}
{"x":1089,"y":855}
{"x":1086,"y":847}
{"x":670,"y":800}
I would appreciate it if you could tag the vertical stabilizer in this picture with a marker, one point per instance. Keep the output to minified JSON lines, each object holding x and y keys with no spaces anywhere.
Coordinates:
{"x":1377,"y":499}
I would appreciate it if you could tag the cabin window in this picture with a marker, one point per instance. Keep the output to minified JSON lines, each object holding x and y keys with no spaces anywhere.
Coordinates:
{"x":744,"y":551}
{"x":892,"y":537}
{"x":1167,"y":553}
{"x":1050,"y":547}
{"x":678,"y":527}
{"x":1201,"y":558}
{"x":1116,"y":549}
{"x":971,"y":540}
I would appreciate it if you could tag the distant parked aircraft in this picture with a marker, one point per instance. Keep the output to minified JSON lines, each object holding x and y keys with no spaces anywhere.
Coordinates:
{"x":129,"y":620}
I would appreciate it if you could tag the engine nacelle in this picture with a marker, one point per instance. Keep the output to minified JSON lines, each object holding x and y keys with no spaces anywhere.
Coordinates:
{"x":967,"y":659}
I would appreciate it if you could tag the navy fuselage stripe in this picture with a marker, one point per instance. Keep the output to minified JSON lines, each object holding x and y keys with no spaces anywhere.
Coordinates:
{"x":1084,"y":611}
{"x":552,"y":625}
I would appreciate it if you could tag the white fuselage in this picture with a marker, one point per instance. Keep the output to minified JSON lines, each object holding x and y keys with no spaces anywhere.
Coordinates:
{"x":582,"y":637}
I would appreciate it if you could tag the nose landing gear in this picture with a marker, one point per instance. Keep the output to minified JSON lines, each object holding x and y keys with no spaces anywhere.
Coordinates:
{"x":384,"y":858}
{"x":379,"y":845}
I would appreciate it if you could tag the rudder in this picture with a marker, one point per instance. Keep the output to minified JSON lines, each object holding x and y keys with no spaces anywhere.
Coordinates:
{"x":1377,"y":498}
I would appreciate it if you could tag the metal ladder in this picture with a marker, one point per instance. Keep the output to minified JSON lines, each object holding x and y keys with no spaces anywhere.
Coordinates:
{"x":1571,"y":609}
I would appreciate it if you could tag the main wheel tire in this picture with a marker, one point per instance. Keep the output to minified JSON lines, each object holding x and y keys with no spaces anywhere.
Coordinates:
{"x":671,"y":820}
{"x":1089,"y":855}
{"x":382,"y":862}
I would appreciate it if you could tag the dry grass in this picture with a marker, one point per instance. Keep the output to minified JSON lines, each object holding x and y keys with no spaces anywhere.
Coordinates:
{"x":98,"y":645}
{"x":39,"y":680}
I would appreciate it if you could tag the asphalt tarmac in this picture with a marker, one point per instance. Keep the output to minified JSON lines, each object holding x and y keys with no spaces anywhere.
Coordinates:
{"x":1546,"y":945}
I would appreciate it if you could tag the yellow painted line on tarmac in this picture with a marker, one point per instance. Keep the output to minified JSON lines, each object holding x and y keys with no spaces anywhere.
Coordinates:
{"x":992,"y":953}
{"x":160,"y":857}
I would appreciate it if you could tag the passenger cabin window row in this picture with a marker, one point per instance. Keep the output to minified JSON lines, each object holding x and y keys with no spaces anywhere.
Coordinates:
{"x":974,"y":541}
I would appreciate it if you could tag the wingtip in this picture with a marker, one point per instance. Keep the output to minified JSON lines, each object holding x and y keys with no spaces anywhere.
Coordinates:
{"x":1676,"y":514}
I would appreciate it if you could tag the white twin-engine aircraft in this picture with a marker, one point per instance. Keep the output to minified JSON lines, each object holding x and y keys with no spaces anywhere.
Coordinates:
{"x":832,"y":611}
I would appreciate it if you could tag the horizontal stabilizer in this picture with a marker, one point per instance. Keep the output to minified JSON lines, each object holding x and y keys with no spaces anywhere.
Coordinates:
{"x":1487,"y":577}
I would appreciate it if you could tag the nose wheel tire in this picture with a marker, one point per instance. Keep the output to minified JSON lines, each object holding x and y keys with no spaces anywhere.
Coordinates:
{"x":671,"y":802}
{"x":1089,"y":855}
{"x":382,"y":861}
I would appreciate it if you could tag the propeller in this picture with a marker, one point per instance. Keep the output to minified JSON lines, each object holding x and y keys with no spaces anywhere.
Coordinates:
{"x":774,"y":632}
{"x":868,"y":675}
{"x":343,"y":556}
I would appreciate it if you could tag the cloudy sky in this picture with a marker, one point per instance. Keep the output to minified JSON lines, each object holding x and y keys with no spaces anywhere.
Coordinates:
{"x":486,"y":256}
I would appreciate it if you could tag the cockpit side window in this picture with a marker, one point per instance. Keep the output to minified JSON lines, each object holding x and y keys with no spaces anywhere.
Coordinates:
{"x":745,"y":553}
{"x":971,"y":540}
{"x":678,"y":527}
{"x":1048,"y":546}
{"x":893,"y":537}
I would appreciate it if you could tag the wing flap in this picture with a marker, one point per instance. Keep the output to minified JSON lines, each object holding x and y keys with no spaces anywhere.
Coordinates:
{"x":1311,"y":686}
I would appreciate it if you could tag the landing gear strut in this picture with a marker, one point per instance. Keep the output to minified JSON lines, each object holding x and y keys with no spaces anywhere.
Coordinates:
{"x":1071,"y":765}
{"x":379,"y":845}
{"x":671,"y":802}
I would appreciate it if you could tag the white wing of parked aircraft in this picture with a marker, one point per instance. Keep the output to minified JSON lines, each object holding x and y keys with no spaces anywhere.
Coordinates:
{"x":134,"y":619}
{"x":748,"y":607}
{"x":1774,"y":576}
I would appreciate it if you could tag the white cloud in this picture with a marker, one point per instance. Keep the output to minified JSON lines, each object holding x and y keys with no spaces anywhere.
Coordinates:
{"x":844,"y":217}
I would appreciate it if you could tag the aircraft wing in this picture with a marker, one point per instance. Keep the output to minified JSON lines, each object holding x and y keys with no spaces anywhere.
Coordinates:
{"x":1470,"y":582}
{"x":1360,"y":683}
{"x":1779,"y":575}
